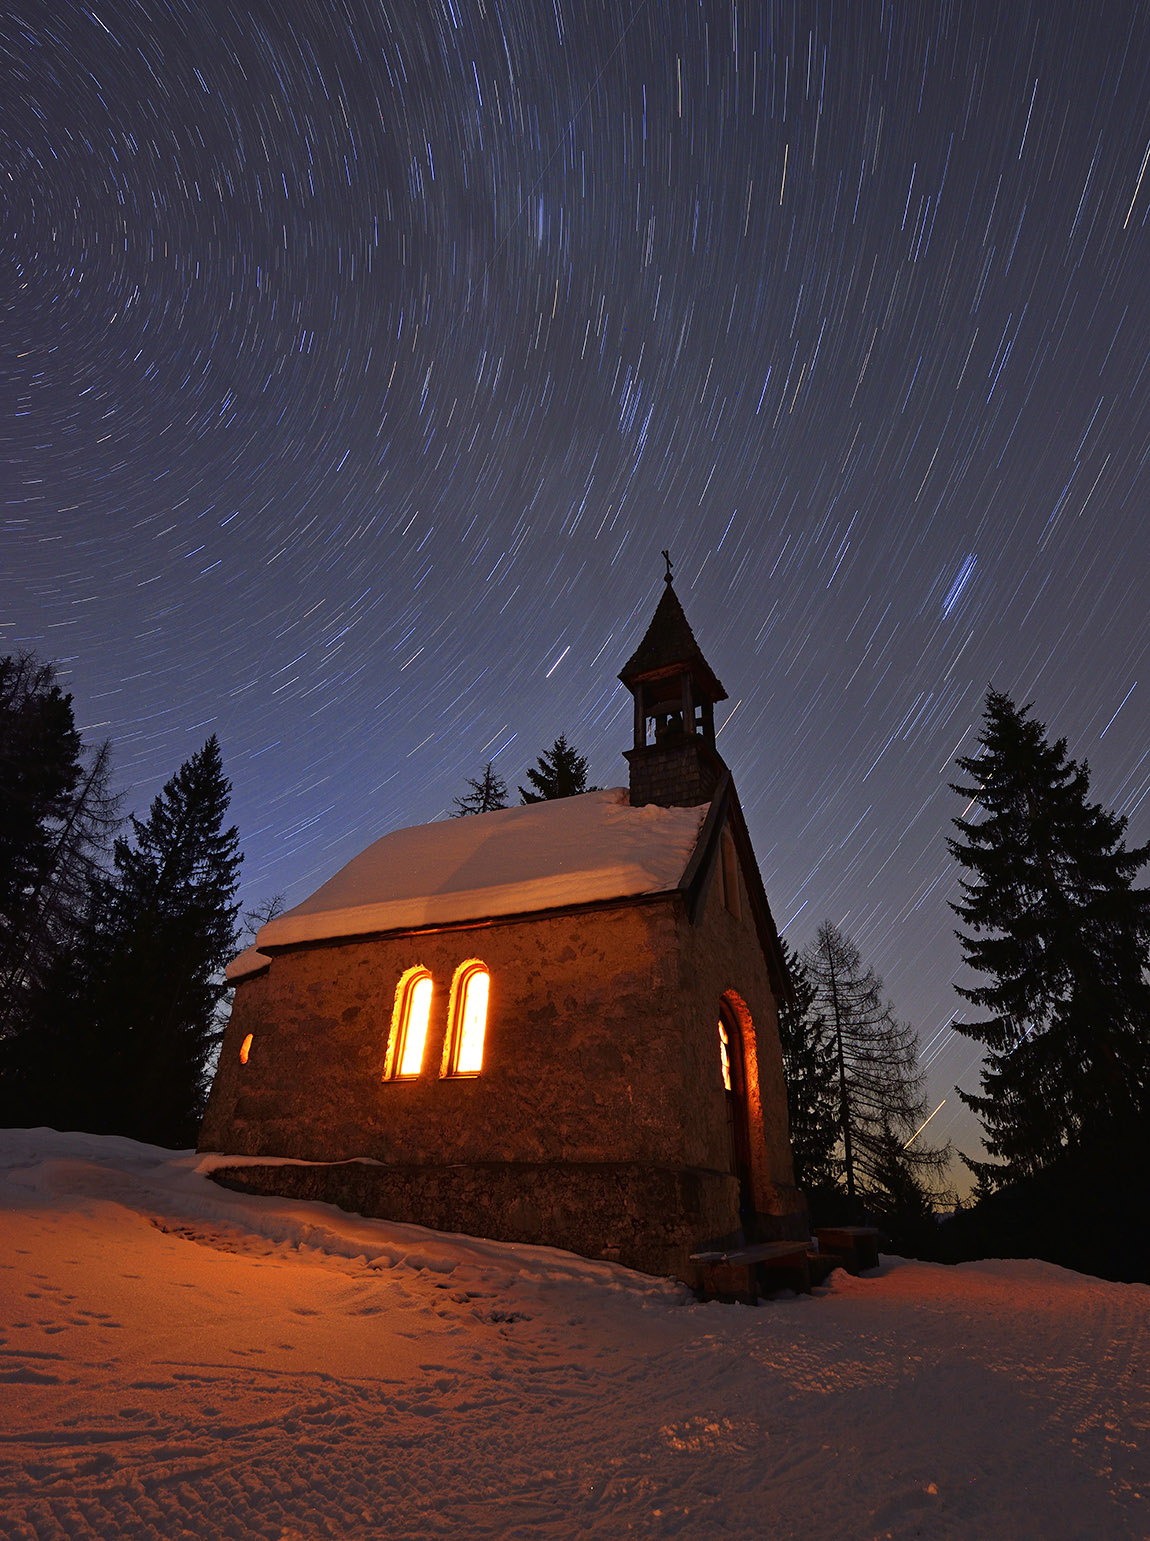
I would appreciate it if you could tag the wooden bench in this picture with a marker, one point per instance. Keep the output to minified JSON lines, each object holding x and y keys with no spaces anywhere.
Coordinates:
{"x":822,"y":1264}
{"x":745,"y":1273}
{"x":857,"y":1245}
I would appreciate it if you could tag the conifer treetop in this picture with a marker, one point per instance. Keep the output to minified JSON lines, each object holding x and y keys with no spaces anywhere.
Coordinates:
{"x":1061,"y":937}
{"x":559,"y":772}
{"x":488,"y":792}
{"x":880,"y":1089}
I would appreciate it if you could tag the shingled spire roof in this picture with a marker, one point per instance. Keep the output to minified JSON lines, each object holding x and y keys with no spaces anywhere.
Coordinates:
{"x":669,"y":644}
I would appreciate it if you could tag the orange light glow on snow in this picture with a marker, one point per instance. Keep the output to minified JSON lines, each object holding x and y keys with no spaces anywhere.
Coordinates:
{"x":415,"y":1028}
{"x":725,"y":1056}
{"x":472,"y":1023}
{"x":245,"y":1049}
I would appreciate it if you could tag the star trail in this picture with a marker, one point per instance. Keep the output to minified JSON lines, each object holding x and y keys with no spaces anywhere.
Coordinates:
{"x":359,"y":359}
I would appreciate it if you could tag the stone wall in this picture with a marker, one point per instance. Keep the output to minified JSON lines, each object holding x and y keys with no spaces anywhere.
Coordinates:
{"x":580,"y":1059}
{"x":645,"y":1217}
{"x":674,"y":775}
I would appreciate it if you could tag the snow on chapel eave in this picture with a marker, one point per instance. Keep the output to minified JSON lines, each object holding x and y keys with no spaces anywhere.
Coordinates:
{"x":246,"y":965}
{"x":606,"y":853}
{"x":475,"y":923}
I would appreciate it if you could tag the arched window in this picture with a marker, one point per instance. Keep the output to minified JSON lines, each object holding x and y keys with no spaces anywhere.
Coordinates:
{"x":463,"y":1054}
{"x":734,"y":1072}
{"x":409,"y":1026}
{"x":725,"y":1054}
{"x":245,"y":1049}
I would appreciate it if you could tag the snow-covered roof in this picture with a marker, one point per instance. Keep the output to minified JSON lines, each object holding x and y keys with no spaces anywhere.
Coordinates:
{"x":573,"y":850}
{"x":250,"y":961}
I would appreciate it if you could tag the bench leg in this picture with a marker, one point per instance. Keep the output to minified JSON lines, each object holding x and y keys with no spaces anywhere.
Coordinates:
{"x":772,"y":1277}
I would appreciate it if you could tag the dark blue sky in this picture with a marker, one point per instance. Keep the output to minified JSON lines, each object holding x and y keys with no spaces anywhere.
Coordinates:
{"x":358,"y":360}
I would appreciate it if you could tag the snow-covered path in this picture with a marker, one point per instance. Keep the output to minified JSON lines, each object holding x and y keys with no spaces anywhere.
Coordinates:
{"x":178,"y":1361}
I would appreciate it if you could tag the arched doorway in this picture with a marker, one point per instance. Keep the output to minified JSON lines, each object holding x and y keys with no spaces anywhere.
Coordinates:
{"x":733,"y":1066}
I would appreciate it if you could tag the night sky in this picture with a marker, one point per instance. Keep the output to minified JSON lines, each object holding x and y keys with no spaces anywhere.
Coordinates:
{"x":358,"y":359}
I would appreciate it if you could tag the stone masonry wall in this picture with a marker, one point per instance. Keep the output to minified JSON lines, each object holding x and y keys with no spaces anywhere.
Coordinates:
{"x":645,"y":1217}
{"x":674,"y":775}
{"x":581,"y":1060}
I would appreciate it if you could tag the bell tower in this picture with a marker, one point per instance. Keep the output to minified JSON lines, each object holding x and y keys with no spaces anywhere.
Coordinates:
{"x":673,"y":761}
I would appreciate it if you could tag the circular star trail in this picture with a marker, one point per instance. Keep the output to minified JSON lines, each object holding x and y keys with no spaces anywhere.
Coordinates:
{"x":359,"y":359}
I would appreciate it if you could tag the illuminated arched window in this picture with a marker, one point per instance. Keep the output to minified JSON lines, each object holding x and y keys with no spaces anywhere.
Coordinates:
{"x":245,"y":1049}
{"x":725,"y":1055}
{"x":733,"y":1067}
{"x":409,"y":1025}
{"x":469,"y":994}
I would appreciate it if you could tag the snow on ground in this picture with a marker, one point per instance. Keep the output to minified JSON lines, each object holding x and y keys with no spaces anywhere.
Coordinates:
{"x":179,"y":1361}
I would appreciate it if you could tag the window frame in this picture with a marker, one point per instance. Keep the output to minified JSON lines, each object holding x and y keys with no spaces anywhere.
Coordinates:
{"x":736,"y":1099}
{"x":468,"y":970}
{"x":405,"y":990}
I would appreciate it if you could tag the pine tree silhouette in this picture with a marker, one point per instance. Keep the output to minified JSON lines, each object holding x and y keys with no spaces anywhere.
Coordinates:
{"x":488,"y":792}
{"x":812,"y":1079}
{"x":125,"y":1024}
{"x":880,"y":1085}
{"x":1061,"y":936}
{"x":40,"y":766}
{"x":559,"y":772}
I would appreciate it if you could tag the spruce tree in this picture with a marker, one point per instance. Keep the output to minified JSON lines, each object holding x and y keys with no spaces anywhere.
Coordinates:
{"x":559,"y":772}
{"x":811,"y":1076}
{"x":174,"y":912}
{"x":880,"y":1085}
{"x":1062,"y":937}
{"x":488,"y":792}
{"x":126,"y":1023}
{"x":54,"y":911}
{"x":40,"y":766}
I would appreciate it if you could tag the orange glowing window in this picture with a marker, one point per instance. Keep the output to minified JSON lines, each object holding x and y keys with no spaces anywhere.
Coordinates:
{"x":409,"y":1025}
{"x":470,"y":991}
{"x":245,"y":1049}
{"x":725,"y":1054}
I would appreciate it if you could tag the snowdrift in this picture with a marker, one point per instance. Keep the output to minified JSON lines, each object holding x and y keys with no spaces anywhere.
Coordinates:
{"x":181,"y":1361}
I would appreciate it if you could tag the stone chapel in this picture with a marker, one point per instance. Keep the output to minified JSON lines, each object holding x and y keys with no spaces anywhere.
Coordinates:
{"x":553,"y":1023}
